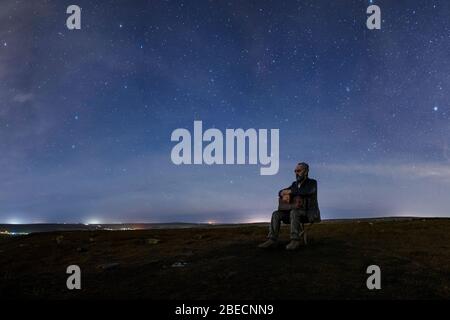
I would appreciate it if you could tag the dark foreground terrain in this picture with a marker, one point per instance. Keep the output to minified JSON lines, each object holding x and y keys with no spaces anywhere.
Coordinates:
{"x":224,"y":262}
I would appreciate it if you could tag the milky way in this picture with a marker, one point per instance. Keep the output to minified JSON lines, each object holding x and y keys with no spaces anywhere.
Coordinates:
{"x":86,"y":115}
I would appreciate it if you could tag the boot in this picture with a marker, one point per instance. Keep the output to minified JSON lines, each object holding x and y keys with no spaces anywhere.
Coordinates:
{"x":268,"y":244}
{"x":293,"y":245}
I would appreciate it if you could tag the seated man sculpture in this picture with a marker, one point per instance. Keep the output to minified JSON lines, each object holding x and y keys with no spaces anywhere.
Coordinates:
{"x":297,"y":205}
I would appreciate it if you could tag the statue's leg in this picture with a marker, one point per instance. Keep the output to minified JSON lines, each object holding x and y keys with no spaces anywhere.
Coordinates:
{"x":296,"y":225}
{"x":274,"y":228}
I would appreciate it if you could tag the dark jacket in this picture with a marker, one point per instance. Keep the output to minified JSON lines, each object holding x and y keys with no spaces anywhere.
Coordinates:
{"x":308,"y":191}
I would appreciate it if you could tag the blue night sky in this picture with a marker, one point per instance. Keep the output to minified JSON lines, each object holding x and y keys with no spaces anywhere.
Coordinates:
{"x":86,"y":115}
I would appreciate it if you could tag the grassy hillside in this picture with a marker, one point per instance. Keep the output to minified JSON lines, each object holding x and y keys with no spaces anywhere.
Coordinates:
{"x":224,"y":263}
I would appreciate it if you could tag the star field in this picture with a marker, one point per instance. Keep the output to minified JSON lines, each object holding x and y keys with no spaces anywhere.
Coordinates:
{"x":86,"y":115}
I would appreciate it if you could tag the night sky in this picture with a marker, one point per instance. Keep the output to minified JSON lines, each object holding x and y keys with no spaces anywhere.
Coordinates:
{"x":86,"y":115}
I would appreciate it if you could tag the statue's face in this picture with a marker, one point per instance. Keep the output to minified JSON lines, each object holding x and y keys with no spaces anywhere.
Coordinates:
{"x":300,"y":172}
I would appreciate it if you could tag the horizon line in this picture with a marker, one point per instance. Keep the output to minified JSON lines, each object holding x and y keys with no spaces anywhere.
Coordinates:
{"x":222,"y":223}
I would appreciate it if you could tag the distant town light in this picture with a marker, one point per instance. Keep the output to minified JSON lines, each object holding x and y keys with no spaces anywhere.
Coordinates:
{"x":93,"y":221}
{"x":13,"y":221}
{"x":6,"y":232}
